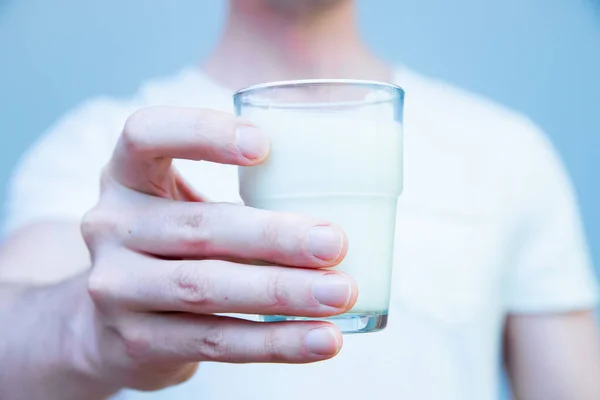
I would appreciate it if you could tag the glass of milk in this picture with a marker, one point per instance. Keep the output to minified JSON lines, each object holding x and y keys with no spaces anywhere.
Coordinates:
{"x":336,"y":154}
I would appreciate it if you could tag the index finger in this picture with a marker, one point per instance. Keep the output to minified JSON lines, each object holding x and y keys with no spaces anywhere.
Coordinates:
{"x":152,"y":137}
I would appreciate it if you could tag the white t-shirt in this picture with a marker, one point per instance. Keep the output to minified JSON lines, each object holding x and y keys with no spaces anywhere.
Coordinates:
{"x":487,"y":225}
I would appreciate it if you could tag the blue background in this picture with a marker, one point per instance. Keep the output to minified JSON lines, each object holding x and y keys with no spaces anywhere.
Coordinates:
{"x":541,"y":57}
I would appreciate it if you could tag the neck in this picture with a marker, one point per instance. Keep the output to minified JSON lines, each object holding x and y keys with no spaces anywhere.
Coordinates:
{"x":260,"y":44}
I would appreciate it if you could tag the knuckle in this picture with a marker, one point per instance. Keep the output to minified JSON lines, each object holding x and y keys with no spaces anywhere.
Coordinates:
{"x":283,"y":234}
{"x":100,"y":285}
{"x":98,"y":222}
{"x":88,"y":225}
{"x":273,"y":237}
{"x":136,"y":343}
{"x":277,"y":292}
{"x":274,"y":346}
{"x":193,"y":288}
{"x":194,"y":221}
{"x":214,"y":346}
{"x":97,"y":287}
{"x":231,"y":151}
{"x":271,"y":231}
{"x":210,"y":124}
{"x":200,"y":125}
{"x":133,"y":136}
{"x":193,"y":233}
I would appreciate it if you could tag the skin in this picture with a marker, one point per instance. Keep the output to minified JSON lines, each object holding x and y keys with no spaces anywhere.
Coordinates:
{"x":152,"y":261}
{"x":163,"y":262}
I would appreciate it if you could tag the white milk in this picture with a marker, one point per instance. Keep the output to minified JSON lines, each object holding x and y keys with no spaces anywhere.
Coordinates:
{"x":346,"y":169}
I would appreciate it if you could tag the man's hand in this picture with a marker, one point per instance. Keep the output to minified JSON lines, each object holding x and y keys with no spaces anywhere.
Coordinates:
{"x":164,"y":262}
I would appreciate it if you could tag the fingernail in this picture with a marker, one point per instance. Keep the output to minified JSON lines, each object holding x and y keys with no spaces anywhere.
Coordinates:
{"x":325,"y":242}
{"x":322,"y":341}
{"x":332,"y":290}
{"x":251,"y":142}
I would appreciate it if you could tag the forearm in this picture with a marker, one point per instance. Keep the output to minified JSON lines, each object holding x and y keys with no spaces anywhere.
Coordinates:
{"x":554,"y":357}
{"x":41,"y":346}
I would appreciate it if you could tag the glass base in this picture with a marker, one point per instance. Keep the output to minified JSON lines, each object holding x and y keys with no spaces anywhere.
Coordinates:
{"x":348,"y":323}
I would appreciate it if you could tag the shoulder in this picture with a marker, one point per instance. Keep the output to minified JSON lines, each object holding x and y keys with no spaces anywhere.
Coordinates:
{"x":467,"y":119}
{"x":506,"y":157}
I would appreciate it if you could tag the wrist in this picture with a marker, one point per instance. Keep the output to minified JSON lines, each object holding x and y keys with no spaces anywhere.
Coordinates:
{"x":82,"y":343}
{"x":38,"y":349}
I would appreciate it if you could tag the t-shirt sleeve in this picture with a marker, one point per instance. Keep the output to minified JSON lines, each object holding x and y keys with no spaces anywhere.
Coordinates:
{"x":553,"y":271}
{"x":58,"y":178}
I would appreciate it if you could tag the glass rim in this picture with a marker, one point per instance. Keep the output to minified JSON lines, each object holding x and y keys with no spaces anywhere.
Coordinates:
{"x":318,"y":82}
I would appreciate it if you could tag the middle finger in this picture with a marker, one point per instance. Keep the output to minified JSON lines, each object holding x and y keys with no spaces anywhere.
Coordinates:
{"x":221,"y":230}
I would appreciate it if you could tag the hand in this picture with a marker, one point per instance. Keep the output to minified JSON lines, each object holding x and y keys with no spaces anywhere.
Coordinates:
{"x":165,"y":261}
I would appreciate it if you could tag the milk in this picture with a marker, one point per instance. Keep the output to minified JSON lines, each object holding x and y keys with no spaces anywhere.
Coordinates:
{"x":346,"y":169}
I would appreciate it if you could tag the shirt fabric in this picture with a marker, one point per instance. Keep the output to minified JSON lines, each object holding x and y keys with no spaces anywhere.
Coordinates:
{"x":487,"y":225}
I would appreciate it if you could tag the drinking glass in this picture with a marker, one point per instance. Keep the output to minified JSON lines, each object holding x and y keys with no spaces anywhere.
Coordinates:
{"x":336,"y":154}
